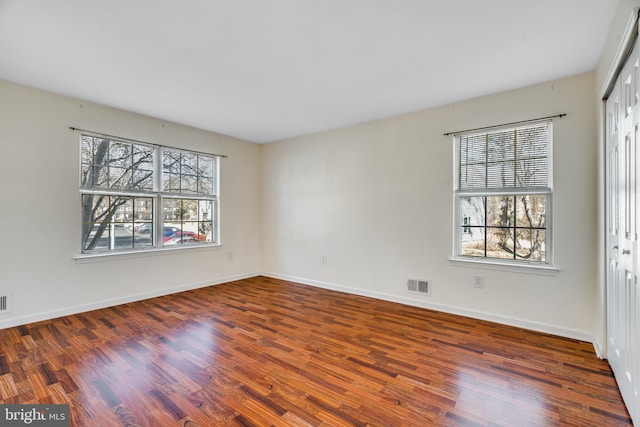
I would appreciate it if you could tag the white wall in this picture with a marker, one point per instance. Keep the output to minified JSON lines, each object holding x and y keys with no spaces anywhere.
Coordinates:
{"x":376,"y":199}
{"x":40,"y":209}
{"x":603,"y":73}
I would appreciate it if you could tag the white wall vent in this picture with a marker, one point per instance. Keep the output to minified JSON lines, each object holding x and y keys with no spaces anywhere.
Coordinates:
{"x":419,"y":286}
{"x":5,"y":302}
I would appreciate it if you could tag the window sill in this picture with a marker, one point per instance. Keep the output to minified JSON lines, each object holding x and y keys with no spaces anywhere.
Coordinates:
{"x":541,"y":269}
{"x":114,"y":256}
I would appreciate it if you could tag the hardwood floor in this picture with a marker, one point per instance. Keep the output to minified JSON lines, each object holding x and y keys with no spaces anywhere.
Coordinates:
{"x":268,"y":352}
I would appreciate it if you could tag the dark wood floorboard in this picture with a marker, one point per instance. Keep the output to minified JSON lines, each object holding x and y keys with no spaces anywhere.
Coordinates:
{"x":261,"y":352}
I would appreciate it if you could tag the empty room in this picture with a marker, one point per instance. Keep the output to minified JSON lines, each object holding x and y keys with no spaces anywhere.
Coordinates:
{"x":305,"y":213}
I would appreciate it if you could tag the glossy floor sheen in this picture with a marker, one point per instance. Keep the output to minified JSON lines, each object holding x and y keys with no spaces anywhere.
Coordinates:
{"x":267,"y":352}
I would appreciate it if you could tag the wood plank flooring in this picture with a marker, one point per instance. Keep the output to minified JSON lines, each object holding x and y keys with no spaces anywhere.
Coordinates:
{"x":262,"y":352}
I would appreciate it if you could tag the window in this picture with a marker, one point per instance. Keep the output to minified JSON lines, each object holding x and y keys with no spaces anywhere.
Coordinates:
{"x":138,"y":196}
{"x":503,"y":194}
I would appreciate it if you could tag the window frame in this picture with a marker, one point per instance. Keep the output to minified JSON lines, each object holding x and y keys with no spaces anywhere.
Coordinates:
{"x":461,"y":228}
{"x":157,"y":193}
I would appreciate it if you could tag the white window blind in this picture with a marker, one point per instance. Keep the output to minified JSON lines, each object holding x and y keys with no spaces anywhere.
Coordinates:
{"x":506,"y":159}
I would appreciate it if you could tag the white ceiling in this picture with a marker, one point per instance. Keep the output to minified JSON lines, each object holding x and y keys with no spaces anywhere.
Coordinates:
{"x":266,"y":70}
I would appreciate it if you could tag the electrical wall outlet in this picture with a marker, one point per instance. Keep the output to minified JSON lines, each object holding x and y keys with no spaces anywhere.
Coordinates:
{"x":478,"y":282}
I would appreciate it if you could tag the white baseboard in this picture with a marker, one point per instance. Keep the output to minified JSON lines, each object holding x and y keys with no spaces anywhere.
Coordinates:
{"x":505,"y":320}
{"x":17,"y":321}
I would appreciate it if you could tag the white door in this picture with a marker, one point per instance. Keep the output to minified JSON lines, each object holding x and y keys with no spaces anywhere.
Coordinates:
{"x":622,"y":134}
{"x":614,"y":351}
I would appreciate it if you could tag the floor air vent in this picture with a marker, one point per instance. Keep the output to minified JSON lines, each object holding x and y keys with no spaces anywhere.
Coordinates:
{"x":4,"y":302}
{"x":419,"y":286}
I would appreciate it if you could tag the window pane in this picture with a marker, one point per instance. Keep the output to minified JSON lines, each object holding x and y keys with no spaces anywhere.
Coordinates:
{"x":171,"y":162}
{"x":473,"y":149}
{"x":172,"y":224}
{"x":86,"y":149}
{"x":142,"y":168}
{"x":473,"y":242}
{"x":532,"y":172}
{"x":187,"y":221}
{"x":500,"y":243}
{"x":95,"y":176}
{"x":143,"y":225}
{"x":120,"y":155}
{"x":531,"y":210}
{"x":472,"y":208}
{"x":500,"y":175}
{"x":123,"y":238}
{"x":124,"y":212}
{"x":86,"y":158}
{"x":143,"y":210}
{"x":119,"y":178}
{"x":170,"y":171}
{"x":473,"y":176}
{"x":189,"y":210}
{"x":142,"y":240}
{"x":205,"y":186}
{"x":190,"y":227}
{"x":205,"y":219}
{"x":95,"y":211}
{"x":533,"y":142}
{"x":205,"y":166}
{"x":171,"y":183}
{"x":501,"y":146}
{"x":188,"y":184}
{"x":143,"y":157}
{"x":500,"y":211}
{"x":189,"y":164}
{"x":94,"y":160}
{"x":531,"y":245}
{"x":205,"y":175}
{"x":171,"y":209}
{"x":142,"y":180}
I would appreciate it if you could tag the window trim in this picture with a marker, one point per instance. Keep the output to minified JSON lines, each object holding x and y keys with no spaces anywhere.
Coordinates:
{"x":158,"y":195}
{"x":121,"y":255}
{"x":516,"y":267}
{"x":458,"y":194}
